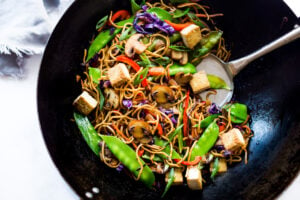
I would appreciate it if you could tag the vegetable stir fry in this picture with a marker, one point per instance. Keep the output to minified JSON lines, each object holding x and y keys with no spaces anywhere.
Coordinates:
{"x":140,"y":107}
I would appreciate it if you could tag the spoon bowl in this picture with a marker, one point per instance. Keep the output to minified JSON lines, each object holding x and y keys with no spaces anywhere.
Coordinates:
{"x":211,"y":64}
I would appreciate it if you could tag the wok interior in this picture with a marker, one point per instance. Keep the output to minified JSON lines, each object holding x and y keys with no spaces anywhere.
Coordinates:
{"x":269,"y":86}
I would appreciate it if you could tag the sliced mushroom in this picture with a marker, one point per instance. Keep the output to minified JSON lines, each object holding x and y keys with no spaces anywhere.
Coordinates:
{"x":176,"y":55}
{"x":159,"y":43}
{"x":111,"y":99}
{"x":162,"y":94}
{"x":184,"y":59}
{"x":140,"y":130}
{"x":133,"y":45}
{"x":183,"y":79}
{"x":172,"y":82}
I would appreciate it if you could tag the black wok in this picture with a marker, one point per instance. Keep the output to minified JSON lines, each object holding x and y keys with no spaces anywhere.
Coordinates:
{"x":270,"y":87}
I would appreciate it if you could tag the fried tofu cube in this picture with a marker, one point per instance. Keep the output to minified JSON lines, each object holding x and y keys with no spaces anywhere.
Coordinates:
{"x":222,"y":166}
{"x":118,"y":74}
{"x":85,"y":103}
{"x":194,"y":177}
{"x":199,"y":82}
{"x":191,"y":35}
{"x":233,"y":139}
{"x":178,"y":177}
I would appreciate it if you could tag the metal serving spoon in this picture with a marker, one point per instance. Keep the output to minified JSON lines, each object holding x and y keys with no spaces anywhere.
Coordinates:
{"x":227,"y":71}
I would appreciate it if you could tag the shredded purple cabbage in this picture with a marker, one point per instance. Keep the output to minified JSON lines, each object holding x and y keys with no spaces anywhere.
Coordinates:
{"x":151,"y":24}
{"x":214,"y":109}
{"x":145,"y":101}
{"x":127,"y":103}
{"x":165,"y":111}
{"x":219,"y":147}
{"x":120,"y":168}
{"x":226,"y":153}
{"x":174,"y":121}
{"x":112,"y":30}
{"x":144,"y":7}
{"x":106,"y":84}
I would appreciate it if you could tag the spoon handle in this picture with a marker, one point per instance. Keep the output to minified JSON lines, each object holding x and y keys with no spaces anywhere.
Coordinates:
{"x":237,"y":65}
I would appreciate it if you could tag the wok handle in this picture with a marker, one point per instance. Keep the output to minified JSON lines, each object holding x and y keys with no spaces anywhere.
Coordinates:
{"x":237,"y":65}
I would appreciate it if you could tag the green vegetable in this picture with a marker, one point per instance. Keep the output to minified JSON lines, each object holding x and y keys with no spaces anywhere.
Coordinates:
{"x":160,"y":13}
{"x":136,"y":7}
{"x":170,"y":181}
{"x":175,"y":37}
{"x":88,"y":132}
{"x":164,"y":61}
{"x":179,"y":13}
{"x":215,"y":168}
{"x":196,"y":20}
{"x":95,"y":74}
{"x":180,"y":136}
{"x":238,"y":112}
{"x":101,"y":22}
{"x":145,"y":60}
{"x":179,"y":48}
{"x":127,"y":156}
{"x":167,"y":149}
{"x":171,"y":137}
{"x":187,"y":68}
{"x":105,"y":37}
{"x":208,"y":120}
{"x":206,"y":141}
{"x":216,"y":82}
{"x":121,"y":48}
{"x":127,"y":33}
{"x":155,"y":158}
{"x":141,"y":76}
{"x":102,"y":99}
{"x":208,"y":43}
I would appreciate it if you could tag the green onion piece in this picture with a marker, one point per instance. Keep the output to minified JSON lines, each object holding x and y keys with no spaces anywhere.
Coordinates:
{"x":141,"y":76}
{"x":101,"y":103}
{"x":101,"y":22}
{"x":164,"y":61}
{"x":127,"y":34}
{"x":196,"y":20}
{"x":170,"y":181}
{"x":179,"y":48}
{"x":171,"y":137}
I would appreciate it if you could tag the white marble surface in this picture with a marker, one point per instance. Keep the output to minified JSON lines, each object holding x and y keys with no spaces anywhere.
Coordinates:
{"x":26,"y":169}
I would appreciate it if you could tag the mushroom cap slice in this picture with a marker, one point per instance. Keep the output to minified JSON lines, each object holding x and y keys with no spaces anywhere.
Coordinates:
{"x":133,"y":45}
{"x":162,"y":94}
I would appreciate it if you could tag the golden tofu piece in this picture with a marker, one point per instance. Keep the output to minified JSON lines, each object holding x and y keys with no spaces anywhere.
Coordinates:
{"x":118,"y":74}
{"x":233,"y":139}
{"x":178,"y":177}
{"x":191,"y":35}
{"x":222,"y":166}
{"x":199,"y":82}
{"x":194,"y":177}
{"x":85,"y":103}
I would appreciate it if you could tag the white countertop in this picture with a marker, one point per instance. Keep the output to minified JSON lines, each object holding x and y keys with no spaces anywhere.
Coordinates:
{"x":26,"y":170}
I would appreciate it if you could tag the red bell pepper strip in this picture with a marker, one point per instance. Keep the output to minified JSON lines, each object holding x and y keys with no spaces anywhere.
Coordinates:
{"x":160,"y":130}
{"x":185,"y":117}
{"x":134,"y":65}
{"x":178,"y":27}
{"x":141,"y":152}
{"x":122,"y":14}
{"x":194,"y":162}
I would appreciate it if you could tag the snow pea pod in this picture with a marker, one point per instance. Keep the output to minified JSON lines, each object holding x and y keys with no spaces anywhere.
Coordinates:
{"x":180,"y":13}
{"x":127,"y":156}
{"x":95,"y":74}
{"x":208,"y":120}
{"x":175,"y":37}
{"x":135,"y":7}
{"x":215,"y":168}
{"x":160,"y":13}
{"x":206,"y":141}
{"x":105,"y":37}
{"x":180,"y":136}
{"x":208,"y":43}
{"x":88,"y":132}
{"x":187,"y":68}
{"x":216,"y":82}
{"x":238,"y":112}
{"x":167,"y":148}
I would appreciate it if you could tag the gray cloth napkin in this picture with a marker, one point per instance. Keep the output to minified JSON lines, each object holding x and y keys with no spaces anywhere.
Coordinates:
{"x":25,"y":27}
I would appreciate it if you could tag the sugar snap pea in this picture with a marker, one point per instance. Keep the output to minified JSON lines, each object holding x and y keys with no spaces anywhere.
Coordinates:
{"x":206,"y":141}
{"x":207,"y":120}
{"x":187,"y":68}
{"x":127,"y":156}
{"x":238,"y":112}
{"x":105,"y":37}
{"x":207,"y":43}
{"x":216,"y":82}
